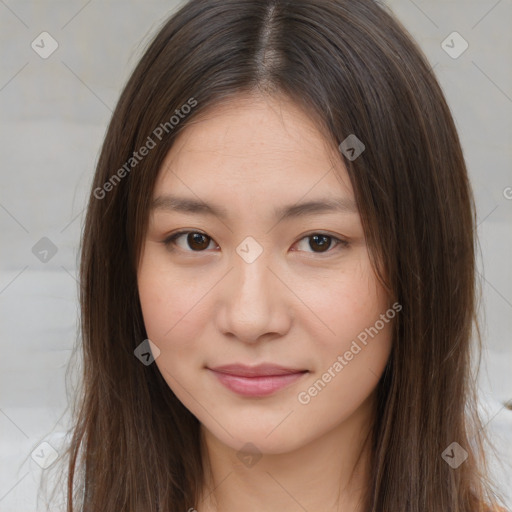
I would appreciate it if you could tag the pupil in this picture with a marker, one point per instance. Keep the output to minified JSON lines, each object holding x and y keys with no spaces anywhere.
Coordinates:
{"x":197,"y":238}
{"x":324,"y":244}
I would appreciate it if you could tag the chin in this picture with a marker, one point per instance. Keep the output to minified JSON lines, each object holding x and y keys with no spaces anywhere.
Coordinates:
{"x":251,"y":438}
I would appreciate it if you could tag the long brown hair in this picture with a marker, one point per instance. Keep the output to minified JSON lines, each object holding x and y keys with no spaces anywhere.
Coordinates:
{"x":355,"y":70}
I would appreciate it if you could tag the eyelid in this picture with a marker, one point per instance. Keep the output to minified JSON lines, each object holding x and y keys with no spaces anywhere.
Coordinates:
{"x":339,"y":242}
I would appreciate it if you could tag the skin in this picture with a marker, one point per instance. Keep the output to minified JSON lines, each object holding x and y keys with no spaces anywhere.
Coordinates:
{"x":296,"y":305}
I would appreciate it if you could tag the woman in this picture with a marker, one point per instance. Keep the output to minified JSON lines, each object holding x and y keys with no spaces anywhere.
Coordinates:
{"x":278,"y":274}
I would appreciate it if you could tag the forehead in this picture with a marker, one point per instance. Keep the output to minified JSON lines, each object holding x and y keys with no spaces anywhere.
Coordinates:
{"x":254,"y":148}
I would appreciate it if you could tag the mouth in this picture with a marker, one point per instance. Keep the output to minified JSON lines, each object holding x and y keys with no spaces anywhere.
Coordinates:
{"x":256,"y":381}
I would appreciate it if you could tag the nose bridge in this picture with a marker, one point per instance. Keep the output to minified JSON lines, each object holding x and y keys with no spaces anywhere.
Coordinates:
{"x":252,"y":261}
{"x":253,"y":304}
{"x":251,"y":279}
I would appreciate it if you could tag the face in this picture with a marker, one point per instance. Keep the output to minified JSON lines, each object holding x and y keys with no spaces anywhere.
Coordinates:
{"x":271,"y":325}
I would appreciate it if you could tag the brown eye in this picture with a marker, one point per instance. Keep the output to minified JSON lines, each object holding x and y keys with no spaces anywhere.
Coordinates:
{"x":194,"y":241}
{"x":320,"y":243}
{"x":198,"y":241}
{"x":323,"y":242}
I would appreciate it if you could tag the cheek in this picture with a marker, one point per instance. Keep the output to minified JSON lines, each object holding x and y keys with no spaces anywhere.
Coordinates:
{"x":165,"y":300}
{"x":155,"y":298}
{"x":345,"y":305}
{"x":169,"y":327}
{"x":352,"y":357}
{"x":348,"y":365}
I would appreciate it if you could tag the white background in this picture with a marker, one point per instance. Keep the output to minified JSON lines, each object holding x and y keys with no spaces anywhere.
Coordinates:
{"x":54,"y":113}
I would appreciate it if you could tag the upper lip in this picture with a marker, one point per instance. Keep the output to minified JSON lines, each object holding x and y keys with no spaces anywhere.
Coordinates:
{"x":260,"y":370}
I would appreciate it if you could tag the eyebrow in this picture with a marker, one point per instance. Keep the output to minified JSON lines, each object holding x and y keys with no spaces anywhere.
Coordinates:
{"x":318,"y":206}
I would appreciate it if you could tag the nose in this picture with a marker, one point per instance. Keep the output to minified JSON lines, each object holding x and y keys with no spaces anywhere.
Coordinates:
{"x":254,"y":302}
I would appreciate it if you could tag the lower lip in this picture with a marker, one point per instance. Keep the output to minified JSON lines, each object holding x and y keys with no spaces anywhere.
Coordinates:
{"x":257,"y":386}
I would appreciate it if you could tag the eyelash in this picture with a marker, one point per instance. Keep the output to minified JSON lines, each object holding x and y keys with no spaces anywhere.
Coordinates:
{"x":340,"y":243}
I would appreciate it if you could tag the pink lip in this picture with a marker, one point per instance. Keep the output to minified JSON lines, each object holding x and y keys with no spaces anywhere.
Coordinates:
{"x":254,"y":381}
